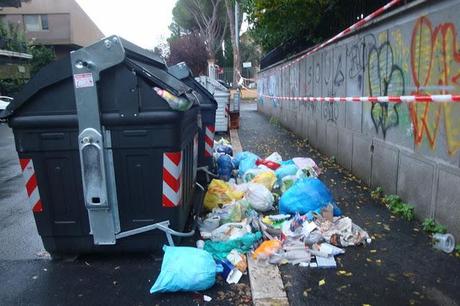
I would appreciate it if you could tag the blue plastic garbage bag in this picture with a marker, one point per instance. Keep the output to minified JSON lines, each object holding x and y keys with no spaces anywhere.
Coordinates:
{"x":223,"y":149}
{"x":224,"y":167}
{"x":287,"y":162}
{"x":185,"y":269}
{"x":245,"y":161}
{"x":307,"y":194}
{"x":285,"y":170}
{"x":242,"y":155}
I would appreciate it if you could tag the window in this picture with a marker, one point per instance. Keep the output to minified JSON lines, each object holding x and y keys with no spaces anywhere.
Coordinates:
{"x":35,"y":23}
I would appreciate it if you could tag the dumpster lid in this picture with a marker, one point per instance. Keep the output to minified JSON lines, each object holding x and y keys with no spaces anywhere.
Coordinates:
{"x":144,"y":61}
{"x":183,"y":72}
{"x":160,"y":77}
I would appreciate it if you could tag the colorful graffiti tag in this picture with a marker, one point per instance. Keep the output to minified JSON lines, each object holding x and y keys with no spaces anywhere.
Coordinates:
{"x":435,"y":67}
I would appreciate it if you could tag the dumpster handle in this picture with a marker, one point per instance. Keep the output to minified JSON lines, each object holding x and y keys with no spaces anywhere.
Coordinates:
{"x":162,"y":226}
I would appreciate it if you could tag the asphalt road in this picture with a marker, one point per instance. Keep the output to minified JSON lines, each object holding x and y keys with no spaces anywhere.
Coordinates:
{"x":18,"y":234}
{"x":400,"y":267}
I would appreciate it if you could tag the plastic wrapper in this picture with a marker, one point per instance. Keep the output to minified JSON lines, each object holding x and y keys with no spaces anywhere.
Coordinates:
{"x":284,"y":171}
{"x":185,"y":269}
{"x":307,"y":195}
{"x":251,"y":174}
{"x":220,"y":249}
{"x":306,"y":163}
{"x":220,"y":192}
{"x":267,"y":248}
{"x":224,"y":167}
{"x":224,"y":149}
{"x":242,"y":156}
{"x":268,"y":163}
{"x":267,"y":179}
{"x":230,"y":231}
{"x":176,"y":103}
{"x":275,"y":157}
{"x":260,"y":198}
{"x":287,"y":182}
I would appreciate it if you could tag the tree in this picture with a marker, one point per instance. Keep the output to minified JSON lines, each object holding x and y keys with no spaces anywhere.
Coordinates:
{"x":277,"y":21}
{"x":302,"y":22}
{"x":204,"y":17}
{"x":12,"y":38}
{"x":189,"y":49}
{"x":235,"y":26}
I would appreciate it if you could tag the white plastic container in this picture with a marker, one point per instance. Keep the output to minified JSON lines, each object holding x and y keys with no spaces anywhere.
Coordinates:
{"x":444,"y":242}
{"x":222,"y":96}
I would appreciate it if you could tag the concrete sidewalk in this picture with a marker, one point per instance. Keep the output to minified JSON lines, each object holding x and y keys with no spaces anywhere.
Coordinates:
{"x":400,"y":267}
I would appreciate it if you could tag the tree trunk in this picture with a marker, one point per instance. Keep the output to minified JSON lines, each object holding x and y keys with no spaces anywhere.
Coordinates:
{"x":234,"y":36}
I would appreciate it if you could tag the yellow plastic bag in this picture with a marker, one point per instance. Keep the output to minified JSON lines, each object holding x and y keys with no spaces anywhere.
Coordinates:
{"x":219,"y":192}
{"x":267,"y":248}
{"x":266,"y":178}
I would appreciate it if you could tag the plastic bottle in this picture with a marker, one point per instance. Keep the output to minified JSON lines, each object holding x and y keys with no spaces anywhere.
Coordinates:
{"x":444,"y":242}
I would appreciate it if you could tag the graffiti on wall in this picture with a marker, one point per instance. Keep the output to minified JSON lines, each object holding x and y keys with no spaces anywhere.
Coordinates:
{"x":435,"y":67}
{"x":357,"y":54}
{"x":420,"y":57}
{"x":385,"y":79}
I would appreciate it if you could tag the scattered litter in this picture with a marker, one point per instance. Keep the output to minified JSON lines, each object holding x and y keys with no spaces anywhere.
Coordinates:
{"x":326,"y":262}
{"x":267,"y":248}
{"x":207,"y":298}
{"x":444,"y":242}
{"x":307,"y":229}
{"x":219,"y":193}
{"x":259,"y":197}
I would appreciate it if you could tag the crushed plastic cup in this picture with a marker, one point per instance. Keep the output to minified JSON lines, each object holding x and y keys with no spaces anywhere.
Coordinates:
{"x":444,"y":242}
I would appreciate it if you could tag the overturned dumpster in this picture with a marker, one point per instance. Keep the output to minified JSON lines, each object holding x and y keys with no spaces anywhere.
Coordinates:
{"x":108,"y":164}
{"x":208,"y":107}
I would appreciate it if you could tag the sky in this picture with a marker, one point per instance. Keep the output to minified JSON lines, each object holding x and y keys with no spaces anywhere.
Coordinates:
{"x":143,"y":22}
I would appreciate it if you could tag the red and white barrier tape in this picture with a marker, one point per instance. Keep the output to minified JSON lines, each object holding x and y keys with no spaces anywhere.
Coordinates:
{"x":28,"y":172}
{"x":390,"y":99}
{"x":348,"y":30}
{"x":172,"y":179}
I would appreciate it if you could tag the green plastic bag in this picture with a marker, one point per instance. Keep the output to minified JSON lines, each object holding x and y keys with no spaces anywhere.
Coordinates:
{"x":220,"y":249}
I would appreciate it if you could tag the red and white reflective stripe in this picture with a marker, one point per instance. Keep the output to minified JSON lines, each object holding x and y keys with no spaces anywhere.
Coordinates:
{"x":390,"y":99}
{"x":209,"y":140}
{"x":348,"y":30}
{"x":172,"y":179}
{"x":28,"y":172}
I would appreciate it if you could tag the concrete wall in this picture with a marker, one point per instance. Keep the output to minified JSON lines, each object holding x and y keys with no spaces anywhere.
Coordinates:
{"x":412,"y":150}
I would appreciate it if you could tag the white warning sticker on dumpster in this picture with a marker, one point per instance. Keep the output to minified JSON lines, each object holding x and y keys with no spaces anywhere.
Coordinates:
{"x":83,"y":80}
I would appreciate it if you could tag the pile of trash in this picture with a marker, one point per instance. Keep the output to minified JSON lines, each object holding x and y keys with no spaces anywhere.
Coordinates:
{"x":277,"y":211}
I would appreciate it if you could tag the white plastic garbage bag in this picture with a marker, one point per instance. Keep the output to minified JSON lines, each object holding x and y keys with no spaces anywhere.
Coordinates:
{"x":275,"y":157}
{"x":260,"y":198}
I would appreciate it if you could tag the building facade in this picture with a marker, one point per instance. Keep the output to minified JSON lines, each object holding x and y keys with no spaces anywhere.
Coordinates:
{"x":61,"y":24}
